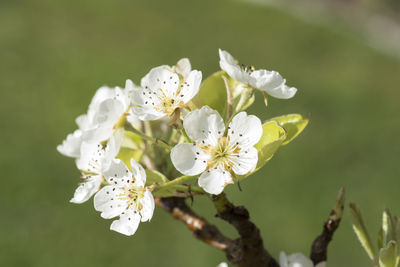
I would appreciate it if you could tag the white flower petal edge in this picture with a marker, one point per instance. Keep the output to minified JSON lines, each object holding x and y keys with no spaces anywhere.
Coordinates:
{"x":270,"y":82}
{"x":216,"y":157}
{"x":94,"y":159}
{"x":223,"y":264}
{"x":106,"y":109}
{"x":71,"y":146}
{"x":165,"y":89}
{"x":214,"y":181}
{"x":297,"y":260}
{"x":126,"y":197}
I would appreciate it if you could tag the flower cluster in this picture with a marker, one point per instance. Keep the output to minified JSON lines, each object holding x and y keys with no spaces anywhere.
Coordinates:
{"x":134,"y":143}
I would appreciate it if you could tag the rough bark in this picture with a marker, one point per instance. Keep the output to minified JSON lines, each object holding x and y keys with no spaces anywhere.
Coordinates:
{"x":250,"y":243}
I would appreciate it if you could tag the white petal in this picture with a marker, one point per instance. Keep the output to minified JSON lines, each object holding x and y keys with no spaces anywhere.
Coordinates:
{"x":133,"y":119}
{"x":102,"y":94}
{"x":70,"y":147}
{"x":146,"y":97}
{"x":147,"y":114}
{"x":230,"y":65}
{"x":148,"y":206}
{"x":130,"y":86}
{"x":204,"y":126}
{"x":86,"y":189}
{"x":299,"y":260}
{"x":138,"y":173}
{"x":108,"y":202}
{"x":190,"y":87}
{"x":214,"y":181}
{"x":223,"y":264}
{"x":283,"y":92}
{"x":109,"y":112}
{"x":84,"y":121}
{"x":266,"y":80}
{"x":183,"y":67}
{"x":91,"y":157}
{"x":118,"y":174}
{"x":246,"y":161}
{"x":114,"y":144}
{"x":127,"y":223}
{"x":162,"y":81}
{"x":283,"y":260}
{"x":189,"y":159}
{"x":97,"y":134}
{"x":245,"y":130}
{"x":272,"y":83}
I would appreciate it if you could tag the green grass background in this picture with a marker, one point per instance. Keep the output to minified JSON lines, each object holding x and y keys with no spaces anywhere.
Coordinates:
{"x":55,"y":54}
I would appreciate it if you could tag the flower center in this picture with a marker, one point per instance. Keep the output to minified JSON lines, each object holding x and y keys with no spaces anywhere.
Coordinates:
{"x":248,"y":69}
{"x":132,"y":194}
{"x":222,"y":154}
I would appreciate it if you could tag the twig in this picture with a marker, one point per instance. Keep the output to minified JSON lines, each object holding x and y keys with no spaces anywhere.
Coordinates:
{"x":229,"y":99}
{"x":202,"y":230}
{"x":319,"y":247}
{"x":250,"y":243}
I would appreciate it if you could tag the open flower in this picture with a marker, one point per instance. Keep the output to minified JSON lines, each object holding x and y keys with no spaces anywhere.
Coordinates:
{"x":270,"y":82}
{"x":165,"y":90}
{"x":297,"y":260}
{"x":216,"y":156}
{"x":106,"y":110}
{"x":94,"y":159}
{"x":126,"y":197}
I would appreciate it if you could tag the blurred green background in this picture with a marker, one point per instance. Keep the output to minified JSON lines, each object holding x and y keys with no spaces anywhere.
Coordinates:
{"x":55,"y":54}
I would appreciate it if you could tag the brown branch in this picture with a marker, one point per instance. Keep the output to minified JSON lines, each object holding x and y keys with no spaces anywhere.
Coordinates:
{"x":319,"y":249}
{"x":250,"y":243}
{"x":201,"y":229}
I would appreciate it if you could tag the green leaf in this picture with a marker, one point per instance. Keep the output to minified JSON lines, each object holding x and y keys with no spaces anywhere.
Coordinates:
{"x":153,"y":176}
{"x":131,"y":140}
{"x":293,"y":124}
{"x":361,"y":231}
{"x":380,"y":239}
{"x":178,"y":190}
{"x":212,"y":93}
{"x":388,"y":255}
{"x":270,"y":141}
{"x":388,"y":228}
{"x":126,"y":154}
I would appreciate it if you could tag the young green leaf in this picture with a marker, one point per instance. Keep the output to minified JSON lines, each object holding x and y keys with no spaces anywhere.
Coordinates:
{"x":388,"y":228}
{"x":154,"y":176}
{"x":212,"y":93}
{"x":125,"y":154}
{"x":388,"y":255}
{"x":361,"y":231}
{"x":272,"y":138}
{"x":293,"y":124}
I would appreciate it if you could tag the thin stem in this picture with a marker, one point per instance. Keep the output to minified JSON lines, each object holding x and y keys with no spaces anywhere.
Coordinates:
{"x":319,"y":249}
{"x":201,"y":229}
{"x":176,"y":181}
{"x":153,"y":140}
{"x":229,"y":99}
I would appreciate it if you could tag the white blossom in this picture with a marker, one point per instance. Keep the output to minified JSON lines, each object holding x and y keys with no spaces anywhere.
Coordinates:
{"x":106,"y":110}
{"x":94,"y":159}
{"x":223,"y":264}
{"x":215,"y":156}
{"x":71,"y":146}
{"x":126,"y":197}
{"x":297,"y":260}
{"x":270,"y":82}
{"x":164,"y":90}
